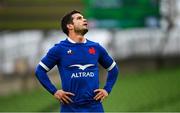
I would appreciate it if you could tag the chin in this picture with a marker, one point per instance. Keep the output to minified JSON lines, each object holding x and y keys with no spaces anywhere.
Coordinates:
{"x":84,"y":31}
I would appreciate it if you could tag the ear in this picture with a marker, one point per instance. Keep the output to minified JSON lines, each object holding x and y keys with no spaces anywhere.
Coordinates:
{"x":70,"y":26}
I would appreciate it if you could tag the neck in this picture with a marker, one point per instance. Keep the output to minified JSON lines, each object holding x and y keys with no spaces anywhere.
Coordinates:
{"x":77,"y":38}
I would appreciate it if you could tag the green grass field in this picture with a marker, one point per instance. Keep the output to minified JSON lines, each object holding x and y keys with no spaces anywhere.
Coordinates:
{"x":148,"y":91}
{"x":145,"y":91}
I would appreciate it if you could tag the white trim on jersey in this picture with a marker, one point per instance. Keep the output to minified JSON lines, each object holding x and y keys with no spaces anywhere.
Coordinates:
{"x":112,"y":66}
{"x":72,"y":41}
{"x":44,"y":66}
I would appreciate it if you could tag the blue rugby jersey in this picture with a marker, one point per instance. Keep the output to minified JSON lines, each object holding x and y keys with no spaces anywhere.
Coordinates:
{"x":78,"y":67}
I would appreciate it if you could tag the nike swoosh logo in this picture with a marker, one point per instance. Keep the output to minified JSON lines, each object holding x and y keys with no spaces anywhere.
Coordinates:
{"x":82,"y":67}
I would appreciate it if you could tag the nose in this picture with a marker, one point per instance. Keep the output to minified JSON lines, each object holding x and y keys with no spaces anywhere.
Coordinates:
{"x":85,"y":20}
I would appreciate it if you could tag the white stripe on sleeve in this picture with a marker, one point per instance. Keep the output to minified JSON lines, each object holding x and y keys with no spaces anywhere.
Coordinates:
{"x":112,"y":66}
{"x":44,"y":66}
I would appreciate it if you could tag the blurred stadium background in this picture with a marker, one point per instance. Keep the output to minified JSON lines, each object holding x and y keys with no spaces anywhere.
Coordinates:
{"x":142,"y":35}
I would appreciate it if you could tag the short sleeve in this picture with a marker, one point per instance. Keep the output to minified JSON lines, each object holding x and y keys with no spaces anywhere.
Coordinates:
{"x":105,"y":60}
{"x":51,"y":59}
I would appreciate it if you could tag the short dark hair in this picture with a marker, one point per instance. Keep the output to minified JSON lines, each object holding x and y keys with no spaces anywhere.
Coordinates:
{"x":67,"y":19}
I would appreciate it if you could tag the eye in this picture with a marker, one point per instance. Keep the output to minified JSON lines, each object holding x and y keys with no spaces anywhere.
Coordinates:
{"x":79,"y":18}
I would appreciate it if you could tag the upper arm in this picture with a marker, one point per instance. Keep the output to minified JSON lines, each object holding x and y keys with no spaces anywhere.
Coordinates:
{"x":50,"y":59}
{"x":105,"y":59}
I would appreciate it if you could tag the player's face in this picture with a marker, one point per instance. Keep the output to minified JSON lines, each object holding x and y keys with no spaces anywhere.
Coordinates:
{"x":80,"y":24}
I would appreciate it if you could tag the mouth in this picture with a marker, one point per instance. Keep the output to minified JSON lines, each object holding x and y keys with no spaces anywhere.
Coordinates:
{"x":85,"y":24}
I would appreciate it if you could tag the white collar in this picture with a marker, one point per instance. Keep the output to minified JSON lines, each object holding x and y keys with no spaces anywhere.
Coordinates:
{"x":72,"y":41}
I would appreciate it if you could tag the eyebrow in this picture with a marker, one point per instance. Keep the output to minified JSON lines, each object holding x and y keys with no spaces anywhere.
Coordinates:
{"x":79,"y":16}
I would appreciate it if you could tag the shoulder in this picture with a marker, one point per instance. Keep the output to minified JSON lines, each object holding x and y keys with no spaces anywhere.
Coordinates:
{"x":89,"y":42}
{"x":98,"y":47}
{"x":58,"y":46}
{"x":55,"y":49}
{"x":95,"y":44}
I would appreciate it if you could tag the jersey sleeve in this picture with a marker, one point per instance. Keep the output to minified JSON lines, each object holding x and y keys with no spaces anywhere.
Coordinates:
{"x":50,"y":59}
{"x":105,"y":60}
{"x":108,"y":63}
